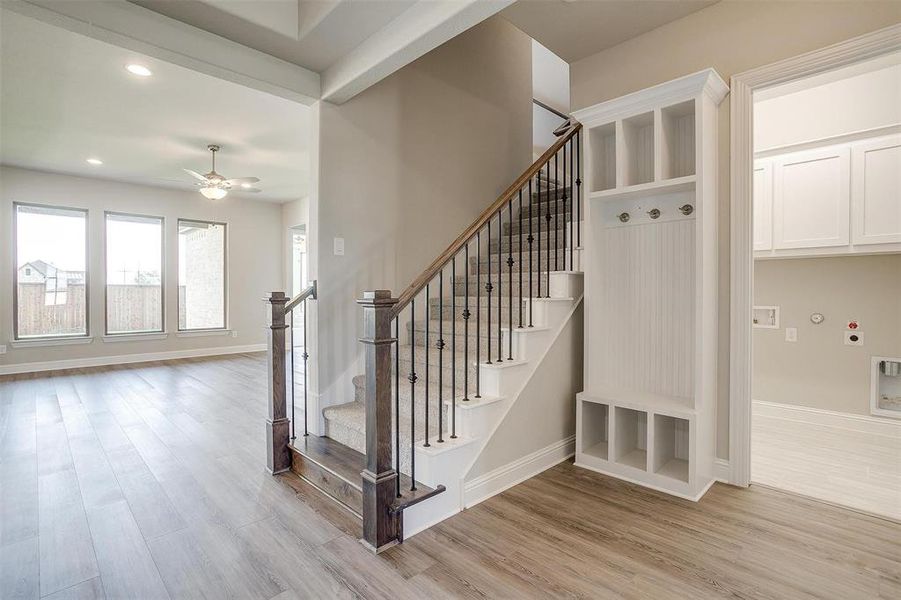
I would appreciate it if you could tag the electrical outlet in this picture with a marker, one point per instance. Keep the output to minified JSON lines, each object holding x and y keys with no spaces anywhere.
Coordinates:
{"x":791,"y":334}
{"x":853,"y":338}
{"x":3,"y":349}
{"x":234,"y":333}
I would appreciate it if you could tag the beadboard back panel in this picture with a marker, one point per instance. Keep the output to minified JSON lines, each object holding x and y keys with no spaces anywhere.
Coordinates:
{"x":645,"y":319}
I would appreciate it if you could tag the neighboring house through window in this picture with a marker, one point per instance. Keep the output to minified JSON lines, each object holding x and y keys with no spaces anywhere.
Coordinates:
{"x":201,"y":275}
{"x":50,"y":294}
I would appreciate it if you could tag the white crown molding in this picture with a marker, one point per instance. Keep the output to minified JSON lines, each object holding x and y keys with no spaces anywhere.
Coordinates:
{"x":707,"y":81}
{"x":124,"y":359}
{"x":135,"y":28}
{"x":743,"y":87}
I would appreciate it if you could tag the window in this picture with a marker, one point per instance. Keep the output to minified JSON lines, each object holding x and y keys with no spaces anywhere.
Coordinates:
{"x":50,"y":295}
{"x":201,"y":275}
{"x":134,"y":274}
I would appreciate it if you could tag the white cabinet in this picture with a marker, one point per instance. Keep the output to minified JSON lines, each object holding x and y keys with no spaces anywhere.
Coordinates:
{"x":763,"y":205}
{"x":876,"y":191}
{"x":811,"y":199}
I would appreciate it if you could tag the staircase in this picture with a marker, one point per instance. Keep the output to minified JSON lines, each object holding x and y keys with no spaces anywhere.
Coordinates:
{"x":447,"y":361}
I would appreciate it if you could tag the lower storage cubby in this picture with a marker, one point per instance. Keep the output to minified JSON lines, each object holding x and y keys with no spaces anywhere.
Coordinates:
{"x":631,"y":438}
{"x":595,"y":418}
{"x":671,"y":447}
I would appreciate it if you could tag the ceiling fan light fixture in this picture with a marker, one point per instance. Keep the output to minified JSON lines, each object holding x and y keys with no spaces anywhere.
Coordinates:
{"x":213,"y":192}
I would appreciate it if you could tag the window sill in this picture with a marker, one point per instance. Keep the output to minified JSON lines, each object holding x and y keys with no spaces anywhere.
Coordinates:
{"x":134,"y":337}
{"x":47,"y":342}
{"x":203,"y":333}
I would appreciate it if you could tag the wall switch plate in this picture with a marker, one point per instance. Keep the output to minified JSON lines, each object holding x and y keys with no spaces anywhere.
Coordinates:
{"x":234,"y":333}
{"x":853,"y":338}
{"x":3,"y":349}
{"x":791,"y":334}
{"x":339,"y":246}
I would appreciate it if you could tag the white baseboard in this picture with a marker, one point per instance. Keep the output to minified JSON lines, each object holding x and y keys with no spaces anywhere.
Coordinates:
{"x":124,"y":359}
{"x":722,"y":471}
{"x":866,"y":424}
{"x":494,"y":482}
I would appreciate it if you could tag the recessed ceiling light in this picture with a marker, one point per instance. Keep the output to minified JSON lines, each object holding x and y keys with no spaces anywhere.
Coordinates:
{"x":95,"y":161}
{"x":139,"y":70}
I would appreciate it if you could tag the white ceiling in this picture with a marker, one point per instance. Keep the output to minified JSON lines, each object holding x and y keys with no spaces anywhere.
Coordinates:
{"x":311,"y":33}
{"x":65,"y":97}
{"x":574,"y":29}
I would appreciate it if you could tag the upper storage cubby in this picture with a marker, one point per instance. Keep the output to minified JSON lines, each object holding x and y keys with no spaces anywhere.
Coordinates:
{"x":638,"y":146}
{"x":603,"y":164}
{"x":677,"y":146}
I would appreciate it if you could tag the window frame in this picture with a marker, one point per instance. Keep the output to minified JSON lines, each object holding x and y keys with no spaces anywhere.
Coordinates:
{"x":87,"y":273}
{"x":225,"y":298}
{"x":163,"y":329}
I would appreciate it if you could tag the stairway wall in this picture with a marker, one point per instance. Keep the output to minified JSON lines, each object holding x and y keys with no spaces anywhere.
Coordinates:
{"x":542,"y":418}
{"x":404,"y":167}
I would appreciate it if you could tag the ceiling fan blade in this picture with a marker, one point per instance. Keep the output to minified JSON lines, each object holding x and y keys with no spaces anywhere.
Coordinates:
{"x":248,"y":189}
{"x":194,"y":174}
{"x":240,"y":180}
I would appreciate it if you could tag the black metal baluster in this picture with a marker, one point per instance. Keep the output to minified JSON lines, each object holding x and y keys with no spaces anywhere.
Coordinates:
{"x":397,"y":403}
{"x":547,"y":221}
{"x":520,"y":253}
{"x":538,"y":224}
{"x":572,"y":209}
{"x":564,"y":208}
{"x":478,"y":311}
{"x":530,"y":238}
{"x":500,"y":281}
{"x":466,"y":314}
{"x":428,"y":350}
{"x":412,"y":380}
{"x":454,"y":347}
{"x":305,"y":356}
{"x":440,"y":355}
{"x":556,"y":216}
{"x":510,"y":282}
{"x":579,"y":188}
{"x":488,"y":288}
{"x":291,"y":342}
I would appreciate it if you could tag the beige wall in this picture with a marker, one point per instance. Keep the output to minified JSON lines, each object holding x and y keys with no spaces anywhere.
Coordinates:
{"x":405,"y":166}
{"x":819,"y":370}
{"x":730,"y":36}
{"x":254,"y":258}
{"x":545,"y":412}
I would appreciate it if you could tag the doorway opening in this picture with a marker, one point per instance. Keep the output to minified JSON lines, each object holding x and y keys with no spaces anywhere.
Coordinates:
{"x":826,"y":301}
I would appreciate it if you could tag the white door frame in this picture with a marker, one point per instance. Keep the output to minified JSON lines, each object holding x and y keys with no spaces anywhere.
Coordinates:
{"x":743,"y":86}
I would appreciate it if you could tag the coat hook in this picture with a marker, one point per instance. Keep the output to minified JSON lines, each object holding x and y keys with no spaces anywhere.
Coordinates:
{"x":686,"y":209}
{"x":654,"y":213}
{"x":624,"y":217}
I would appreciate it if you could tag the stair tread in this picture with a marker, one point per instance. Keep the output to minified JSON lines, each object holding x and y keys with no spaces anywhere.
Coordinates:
{"x":348,"y":464}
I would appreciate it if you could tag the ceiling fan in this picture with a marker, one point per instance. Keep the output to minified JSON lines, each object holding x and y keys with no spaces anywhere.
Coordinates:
{"x":214,"y":186}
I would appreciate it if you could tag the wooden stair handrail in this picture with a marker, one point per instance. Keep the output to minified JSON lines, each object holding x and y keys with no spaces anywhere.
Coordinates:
{"x":445,"y":257}
{"x":310,"y":292}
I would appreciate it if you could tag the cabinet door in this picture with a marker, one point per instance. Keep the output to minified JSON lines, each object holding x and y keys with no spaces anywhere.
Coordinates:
{"x":811,"y":197}
{"x":763,"y":205}
{"x":876,"y":191}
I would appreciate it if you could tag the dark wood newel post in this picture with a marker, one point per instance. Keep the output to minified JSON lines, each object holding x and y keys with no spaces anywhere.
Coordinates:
{"x":380,"y":526}
{"x":278,"y":427}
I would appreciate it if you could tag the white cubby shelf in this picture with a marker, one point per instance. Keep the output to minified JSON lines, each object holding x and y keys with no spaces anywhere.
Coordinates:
{"x":647,"y":412}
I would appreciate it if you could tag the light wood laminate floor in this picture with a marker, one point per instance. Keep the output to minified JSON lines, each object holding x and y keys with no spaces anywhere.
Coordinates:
{"x":147,"y":482}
